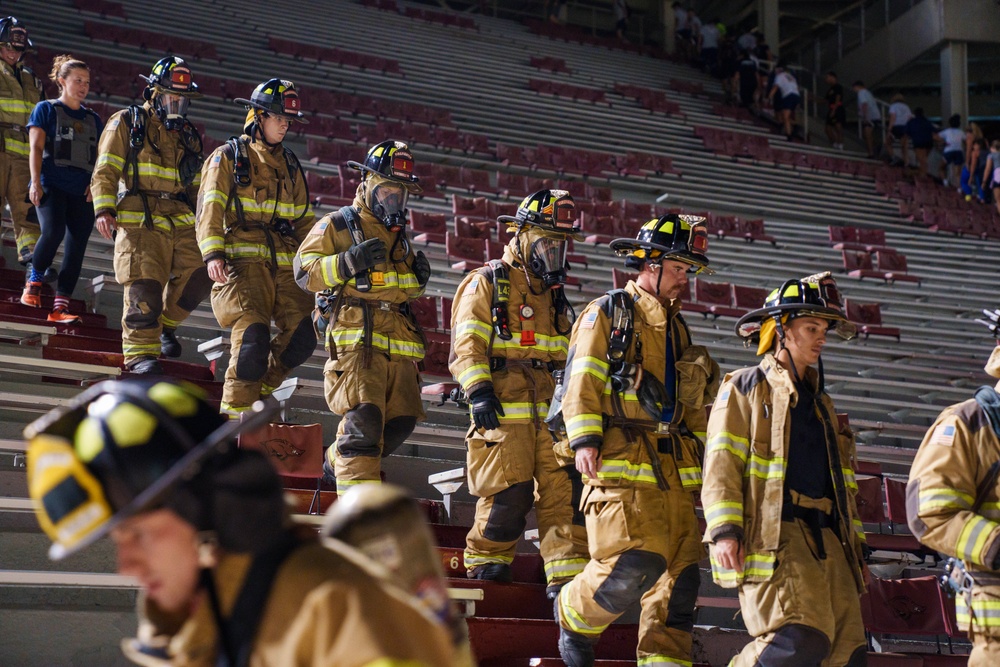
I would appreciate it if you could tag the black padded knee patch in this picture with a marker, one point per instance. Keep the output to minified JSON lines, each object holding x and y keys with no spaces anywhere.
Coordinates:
{"x":145,"y":304}
{"x":795,"y":645}
{"x":362,"y":432}
{"x":635,"y":573}
{"x":683,"y":599}
{"x":507,"y":516}
{"x":198,"y":287}
{"x":396,"y":431}
{"x":859,"y":658}
{"x":576,"y":487}
{"x":301,"y":345}
{"x":254,"y":351}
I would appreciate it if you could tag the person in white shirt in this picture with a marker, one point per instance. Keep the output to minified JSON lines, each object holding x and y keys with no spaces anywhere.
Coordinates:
{"x":788,"y":101}
{"x":710,"y":46}
{"x":954,"y":157}
{"x":681,"y":28}
{"x":899,"y":116}
{"x":868,"y":115}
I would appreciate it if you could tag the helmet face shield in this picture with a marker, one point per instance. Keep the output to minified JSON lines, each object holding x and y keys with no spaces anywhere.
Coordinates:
{"x":813,"y":296}
{"x":547,"y":260}
{"x":683,"y":238}
{"x":387,"y":201}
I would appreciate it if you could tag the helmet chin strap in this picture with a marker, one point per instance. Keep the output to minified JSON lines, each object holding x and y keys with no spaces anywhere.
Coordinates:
{"x":780,"y":331}
{"x":258,"y":131}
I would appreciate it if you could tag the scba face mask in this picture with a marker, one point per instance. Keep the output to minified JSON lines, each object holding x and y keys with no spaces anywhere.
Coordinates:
{"x":387,"y":202}
{"x":172,"y":110}
{"x":547,"y":260}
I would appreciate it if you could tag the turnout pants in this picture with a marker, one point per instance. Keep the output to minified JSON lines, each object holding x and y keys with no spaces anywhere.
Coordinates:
{"x":164,"y":279}
{"x":379,"y":406}
{"x":504,"y":466}
{"x":982,"y":624}
{"x":645,"y":546}
{"x":808,"y":613}
{"x":14,"y":179}
{"x":246,"y":304}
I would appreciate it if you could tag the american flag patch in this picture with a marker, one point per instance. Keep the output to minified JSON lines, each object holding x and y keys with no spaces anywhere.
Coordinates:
{"x":944,"y":435}
{"x":723,"y":397}
{"x":217,"y":159}
{"x":471,"y":288}
{"x":589,"y":320}
{"x":320,"y":226}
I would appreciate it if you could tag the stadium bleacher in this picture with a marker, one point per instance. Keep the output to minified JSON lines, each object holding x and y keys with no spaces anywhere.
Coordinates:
{"x":496,"y":109}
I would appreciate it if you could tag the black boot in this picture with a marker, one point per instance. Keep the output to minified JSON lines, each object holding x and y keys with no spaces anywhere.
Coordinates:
{"x":146,"y":366}
{"x":575,"y":649}
{"x":492,"y":572}
{"x":169,"y":344}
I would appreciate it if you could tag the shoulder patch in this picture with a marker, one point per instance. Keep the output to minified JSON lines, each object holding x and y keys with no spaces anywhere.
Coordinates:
{"x":589,"y":320}
{"x":113,"y":123}
{"x":748,"y":378}
{"x":723,"y":398}
{"x":471,"y":286}
{"x":944,"y":435}
{"x":320,"y":227}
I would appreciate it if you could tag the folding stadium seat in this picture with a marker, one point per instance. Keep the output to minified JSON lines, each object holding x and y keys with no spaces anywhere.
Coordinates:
{"x":428,"y":227}
{"x":868,"y":317}
{"x":717,"y":296}
{"x":508,"y":154}
{"x":445,"y":177}
{"x":874,"y":239}
{"x":425,"y":311}
{"x":724,"y":225}
{"x":475,"y":180}
{"x":893,"y":266}
{"x":631,"y":209}
{"x":578,"y":189}
{"x":448,"y":139}
{"x":475,"y":142}
{"x":753,"y":230}
{"x":597,"y":193}
{"x":473,"y":208}
{"x":859,"y":265}
{"x":509,"y":185}
{"x":471,"y":253}
{"x":532,"y":184}
{"x":844,"y":238}
{"x":869,"y":500}
{"x":597,"y":229}
{"x":915,"y":606}
{"x":748,"y":298}
{"x":473,"y":228}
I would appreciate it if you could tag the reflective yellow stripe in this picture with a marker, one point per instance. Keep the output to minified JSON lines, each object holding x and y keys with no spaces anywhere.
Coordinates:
{"x":15,"y":146}
{"x":729,"y":442}
{"x":984,"y":613}
{"x":662,"y":661}
{"x":626,"y":470}
{"x":14,"y":105}
{"x":972,"y":540}
{"x":590,"y":365}
{"x":105,"y":201}
{"x":548,"y":344}
{"x":116,"y":161}
{"x":757,"y":565}
{"x":141,"y":349}
{"x":473,"y":375}
{"x":691,"y":477}
{"x":211,"y":244}
{"x":344,"y":485}
{"x":159,"y":221}
{"x":565,"y":568}
{"x":943,"y":497}
{"x":859,"y":528}
{"x":584,"y":424}
{"x":473,"y":560}
{"x":765,"y":468}
{"x":395,"y":347}
{"x":473,"y":328}
{"x":849,"y":479}
{"x":573,"y":619}
{"x":990,"y":510}
{"x":724,"y":512}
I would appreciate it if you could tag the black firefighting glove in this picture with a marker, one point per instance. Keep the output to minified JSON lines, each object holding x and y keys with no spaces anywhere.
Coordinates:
{"x":486,"y":408}
{"x":364,"y":256}
{"x":421,"y":268}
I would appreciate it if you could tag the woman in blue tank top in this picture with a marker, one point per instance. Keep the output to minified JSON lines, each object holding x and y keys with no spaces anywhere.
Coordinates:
{"x":63,"y":135}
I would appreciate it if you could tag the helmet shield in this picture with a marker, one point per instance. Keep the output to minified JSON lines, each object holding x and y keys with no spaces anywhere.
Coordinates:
{"x":391,"y":160}
{"x":13,"y":34}
{"x":683,"y":238}
{"x":172,"y":109}
{"x":549,"y":210}
{"x":813,"y":296}
{"x":277,"y":97}
{"x":387,"y":201}
{"x":547,"y":259}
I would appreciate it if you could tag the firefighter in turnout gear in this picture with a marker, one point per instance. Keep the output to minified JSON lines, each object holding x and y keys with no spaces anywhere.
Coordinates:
{"x":510,"y":324}
{"x":253,"y":212}
{"x":154,"y":153}
{"x":225,"y":576}
{"x":953,"y":505}
{"x":634,"y":414}
{"x":360,"y":260}
{"x":20,"y":91}
{"x":779,"y":493}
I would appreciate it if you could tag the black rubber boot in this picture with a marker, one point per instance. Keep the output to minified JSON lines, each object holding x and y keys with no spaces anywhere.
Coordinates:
{"x":492,"y":572}
{"x":576,"y":650}
{"x":169,"y":344}
{"x":146,"y":366}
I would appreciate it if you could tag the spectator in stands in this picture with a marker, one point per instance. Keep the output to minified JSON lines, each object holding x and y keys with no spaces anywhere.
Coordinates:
{"x":972,"y":178}
{"x":899,"y":116}
{"x":637,"y":445}
{"x":253,"y":212}
{"x":869,"y":117}
{"x":746,"y":73}
{"x":764,"y":56}
{"x":145,"y":187}
{"x":360,"y":259}
{"x":772,"y":431}
{"x":226,"y":577}
{"x":951,"y":502}
{"x":729,"y":61}
{"x":622,"y":13}
{"x":504,"y":348}
{"x":557,"y":13}
{"x":694,"y":25}
{"x":836,"y":112}
{"x":787,"y":87}
{"x":952,"y":156}
{"x":682,"y":30}
{"x":709,"y":43}
{"x":20,"y":91}
{"x":63,"y":135}
{"x":972,"y":132}
{"x":991,"y":173}
{"x":748,"y":40}
{"x":921,"y":132}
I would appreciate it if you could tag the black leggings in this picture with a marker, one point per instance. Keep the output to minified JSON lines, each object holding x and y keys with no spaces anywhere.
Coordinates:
{"x":63,"y":215}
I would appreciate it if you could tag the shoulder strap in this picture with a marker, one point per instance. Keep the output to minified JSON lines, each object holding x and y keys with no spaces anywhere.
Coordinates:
{"x":294,"y":169}
{"x":501,"y":298}
{"x":240,"y":155}
{"x":622,"y":313}
{"x":362,"y":281}
{"x":989,"y":401}
{"x":137,"y":127}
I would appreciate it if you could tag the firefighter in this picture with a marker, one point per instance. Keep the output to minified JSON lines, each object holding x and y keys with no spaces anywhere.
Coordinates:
{"x":154,"y":152}
{"x":226,"y":578}
{"x":20,"y":91}
{"x":361,"y":262}
{"x":634,"y":416}
{"x":510,"y":323}
{"x":253,"y":212}
{"x":953,"y":505}
{"x":779,"y":493}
